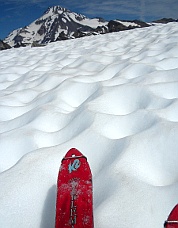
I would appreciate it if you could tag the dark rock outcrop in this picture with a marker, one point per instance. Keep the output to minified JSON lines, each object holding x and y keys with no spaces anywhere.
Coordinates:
{"x":115,"y":26}
{"x":165,"y":20}
{"x":4,"y":46}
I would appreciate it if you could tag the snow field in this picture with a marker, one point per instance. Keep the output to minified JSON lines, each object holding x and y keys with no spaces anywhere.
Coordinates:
{"x":115,"y":98}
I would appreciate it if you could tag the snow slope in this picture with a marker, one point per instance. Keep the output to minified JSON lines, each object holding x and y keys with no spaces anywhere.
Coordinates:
{"x":115,"y":98}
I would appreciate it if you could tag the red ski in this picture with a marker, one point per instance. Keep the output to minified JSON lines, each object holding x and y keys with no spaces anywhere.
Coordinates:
{"x":74,"y":204}
{"x":172,"y":221}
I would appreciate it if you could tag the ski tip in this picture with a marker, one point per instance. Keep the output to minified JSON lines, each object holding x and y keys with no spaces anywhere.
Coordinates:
{"x":73,"y":153}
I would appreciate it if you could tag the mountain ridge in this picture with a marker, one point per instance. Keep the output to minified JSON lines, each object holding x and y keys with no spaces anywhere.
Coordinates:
{"x":55,"y":22}
{"x":58,"y":23}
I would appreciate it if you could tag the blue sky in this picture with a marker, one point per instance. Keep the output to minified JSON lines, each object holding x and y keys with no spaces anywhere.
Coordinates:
{"x":19,"y":13}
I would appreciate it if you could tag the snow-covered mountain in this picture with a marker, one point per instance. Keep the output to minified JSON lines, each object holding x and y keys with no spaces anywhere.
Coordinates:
{"x":59,"y":23}
{"x":55,"y":24}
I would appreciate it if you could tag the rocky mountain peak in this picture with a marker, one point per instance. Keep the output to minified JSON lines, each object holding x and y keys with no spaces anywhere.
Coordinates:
{"x":56,"y":10}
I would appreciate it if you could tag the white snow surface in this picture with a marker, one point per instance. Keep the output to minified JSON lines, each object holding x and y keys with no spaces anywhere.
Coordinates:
{"x":114,"y":97}
{"x":127,"y":23}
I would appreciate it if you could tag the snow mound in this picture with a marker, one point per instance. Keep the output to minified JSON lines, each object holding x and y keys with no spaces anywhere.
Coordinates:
{"x":115,"y":98}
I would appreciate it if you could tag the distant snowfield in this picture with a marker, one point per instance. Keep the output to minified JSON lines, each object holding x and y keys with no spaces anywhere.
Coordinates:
{"x":115,"y":98}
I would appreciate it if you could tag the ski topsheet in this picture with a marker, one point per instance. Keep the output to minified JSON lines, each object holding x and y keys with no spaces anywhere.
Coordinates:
{"x":74,"y":204}
{"x":172,"y":221}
